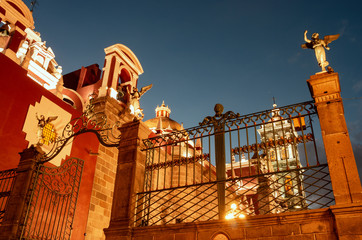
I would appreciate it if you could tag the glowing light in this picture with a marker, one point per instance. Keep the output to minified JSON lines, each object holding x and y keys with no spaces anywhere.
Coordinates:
{"x":229,"y":216}
{"x":234,"y":212}
{"x":233,"y":206}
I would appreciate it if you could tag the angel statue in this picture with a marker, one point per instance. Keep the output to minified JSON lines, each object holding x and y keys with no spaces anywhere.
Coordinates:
{"x":134,"y":103}
{"x":319,"y":45}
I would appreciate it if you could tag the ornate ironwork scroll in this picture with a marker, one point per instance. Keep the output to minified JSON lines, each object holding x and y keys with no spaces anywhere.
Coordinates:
{"x":52,"y":202}
{"x":89,"y":122}
{"x":219,"y":119}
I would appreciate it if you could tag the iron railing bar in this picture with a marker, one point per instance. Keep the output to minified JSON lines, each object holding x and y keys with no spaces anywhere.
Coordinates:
{"x":172,"y":163}
{"x":210,"y":164}
{"x":210,"y":210}
{"x":304,"y":143}
{"x":174,"y":196}
{"x":200,"y":207}
{"x":30,"y":192}
{"x":294,"y":145}
{"x":179,"y":165}
{"x":52,"y":211}
{"x":239,"y":145}
{"x":56,"y":215}
{"x":186,"y":168}
{"x":239,"y":178}
{"x":231,"y":156}
{"x":165,"y":171}
{"x":266,"y":145}
{"x":61,"y":215}
{"x":46,"y":206}
{"x":202,"y":160}
{"x":32,"y":206}
{"x":316,"y":201}
{"x":9,"y":182}
{"x":318,"y":189}
{"x":176,"y":209}
{"x":314,"y":143}
{"x":150,"y":206}
{"x":187,"y":202}
{"x":286,"y":154}
{"x":158,"y":171}
{"x":194,"y":161}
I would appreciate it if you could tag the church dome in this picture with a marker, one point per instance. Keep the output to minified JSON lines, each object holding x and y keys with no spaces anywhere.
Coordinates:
{"x":162,"y":122}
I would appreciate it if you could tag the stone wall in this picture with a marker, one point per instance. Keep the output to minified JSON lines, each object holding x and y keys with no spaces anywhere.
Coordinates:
{"x":305,"y":225}
{"x":105,"y":173}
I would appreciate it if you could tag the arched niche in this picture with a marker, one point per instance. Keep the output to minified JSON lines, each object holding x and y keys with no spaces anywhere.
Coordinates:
{"x":220,"y":236}
{"x":124,"y":83}
{"x":121,"y":66}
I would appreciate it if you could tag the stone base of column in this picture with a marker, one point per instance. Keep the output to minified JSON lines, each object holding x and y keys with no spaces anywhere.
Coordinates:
{"x":348,"y":221}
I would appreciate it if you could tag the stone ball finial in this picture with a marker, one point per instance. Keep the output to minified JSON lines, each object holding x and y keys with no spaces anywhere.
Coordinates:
{"x":218,"y":109}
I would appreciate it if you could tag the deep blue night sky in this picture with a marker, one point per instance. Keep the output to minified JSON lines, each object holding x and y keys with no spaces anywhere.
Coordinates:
{"x":199,"y":53}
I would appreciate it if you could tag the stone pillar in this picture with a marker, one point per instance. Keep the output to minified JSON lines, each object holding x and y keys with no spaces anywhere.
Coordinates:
{"x":17,"y":203}
{"x":325,"y":89}
{"x":129,"y":179}
{"x":105,"y":172}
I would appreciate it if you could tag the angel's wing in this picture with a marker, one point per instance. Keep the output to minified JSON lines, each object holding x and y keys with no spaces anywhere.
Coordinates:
{"x":330,"y":38}
{"x":145,"y":89}
{"x":50,"y":119}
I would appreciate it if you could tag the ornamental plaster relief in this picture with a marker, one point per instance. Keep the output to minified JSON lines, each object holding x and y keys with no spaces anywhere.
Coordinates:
{"x":47,"y":108}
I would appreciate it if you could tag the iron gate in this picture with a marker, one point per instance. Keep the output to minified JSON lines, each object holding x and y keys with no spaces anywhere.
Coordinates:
{"x":52,"y":201}
{"x":7,"y":178}
{"x":235,"y":166}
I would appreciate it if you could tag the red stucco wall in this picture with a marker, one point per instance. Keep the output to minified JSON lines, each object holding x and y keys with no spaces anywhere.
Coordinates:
{"x":17,"y":92}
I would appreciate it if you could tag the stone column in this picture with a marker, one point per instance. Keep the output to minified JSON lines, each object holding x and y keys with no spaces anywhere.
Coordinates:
{"x":325,"y":89}
{"x":105,"y":171}
{"x":17,"y":203}
{"x":129,"y":179}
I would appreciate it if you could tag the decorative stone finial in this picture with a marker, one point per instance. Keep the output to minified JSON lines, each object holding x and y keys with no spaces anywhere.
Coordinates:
{"x":218,"y":109}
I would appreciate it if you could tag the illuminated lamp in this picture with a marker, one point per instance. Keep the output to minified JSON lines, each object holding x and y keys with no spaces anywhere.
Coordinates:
{"x":299,"y":123}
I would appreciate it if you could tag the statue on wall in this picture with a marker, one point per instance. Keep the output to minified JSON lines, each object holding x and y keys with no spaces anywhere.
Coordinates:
{"x":319,"y":45}
{"x":133,"y":103}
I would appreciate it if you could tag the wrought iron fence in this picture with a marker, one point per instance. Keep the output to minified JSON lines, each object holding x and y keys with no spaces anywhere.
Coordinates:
{"x":52,"y":201}
{"x":235,"y":166}
{"x":6,"y":185}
